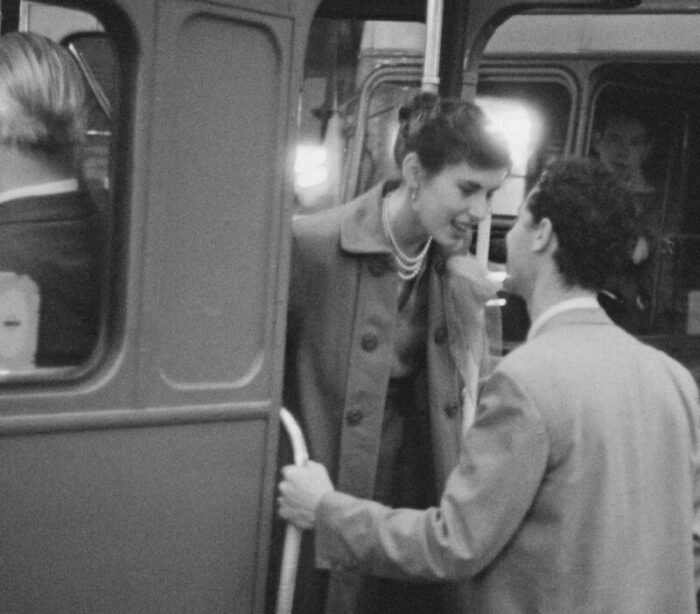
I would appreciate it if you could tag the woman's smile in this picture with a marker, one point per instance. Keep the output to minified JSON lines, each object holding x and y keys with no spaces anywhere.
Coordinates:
{"x":453,"y":202}
{"x":461,"y":226}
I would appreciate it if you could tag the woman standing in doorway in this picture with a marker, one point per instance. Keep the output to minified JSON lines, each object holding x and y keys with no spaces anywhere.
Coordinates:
{"x":385,"y":336}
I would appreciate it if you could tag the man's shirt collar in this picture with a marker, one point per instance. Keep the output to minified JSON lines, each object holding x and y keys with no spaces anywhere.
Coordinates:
{"x":582,"y":302}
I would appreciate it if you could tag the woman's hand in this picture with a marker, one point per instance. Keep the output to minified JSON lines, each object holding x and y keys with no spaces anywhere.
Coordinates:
{"x":301,"y":490}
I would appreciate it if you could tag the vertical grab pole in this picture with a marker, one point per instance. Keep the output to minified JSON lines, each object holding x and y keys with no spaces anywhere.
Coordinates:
{"x":482,"y":241}
{"x":292,"y":536}
{"x":433,"y":39}
{"x":431,"y":81}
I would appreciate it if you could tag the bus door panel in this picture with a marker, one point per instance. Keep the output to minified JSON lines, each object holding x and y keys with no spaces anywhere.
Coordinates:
{"x":151,"y":514}
{"x":144,"y":480}
{"x":213,"y":281}
{"x":215,"y":215}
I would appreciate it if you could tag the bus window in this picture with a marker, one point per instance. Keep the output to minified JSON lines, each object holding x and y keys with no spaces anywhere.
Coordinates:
{"x":325,"y":111}
{"x":96,"y":57}
{"x":580,"y":71}
{"x":535,"y":115}
{"x":521,"y":125}
{"x":650,"y":139}
{"x":380,"y":129}
{"x":631,"y":129}
{"x":56,"y":200}
{"x":534,"y":112}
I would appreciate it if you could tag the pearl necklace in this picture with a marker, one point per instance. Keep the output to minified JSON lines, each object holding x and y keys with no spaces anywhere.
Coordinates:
{"x":409,"y":266}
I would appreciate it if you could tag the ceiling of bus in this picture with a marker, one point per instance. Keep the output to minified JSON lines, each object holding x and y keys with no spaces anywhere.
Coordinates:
{"x":596,"y":33}
{"x":390,"y":10}
{"x":670,"y":5}
{"x":414,"y":10}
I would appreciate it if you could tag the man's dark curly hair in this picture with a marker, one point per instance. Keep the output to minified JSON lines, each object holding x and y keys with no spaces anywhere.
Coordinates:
{"x":592,"y":217}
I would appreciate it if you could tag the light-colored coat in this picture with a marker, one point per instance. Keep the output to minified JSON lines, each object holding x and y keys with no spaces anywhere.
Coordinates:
{"x":578,"y":487}
{"x":341,"y":326}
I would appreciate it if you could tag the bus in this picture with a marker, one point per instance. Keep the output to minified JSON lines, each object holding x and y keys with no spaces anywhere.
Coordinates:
{"x":143,"y":479}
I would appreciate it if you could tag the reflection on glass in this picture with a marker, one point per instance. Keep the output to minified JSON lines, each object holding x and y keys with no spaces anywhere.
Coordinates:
{"x":310,"y":166}
{"x":52,"y":227}
{"x":518,"y":124}
{"x":521,"y":127}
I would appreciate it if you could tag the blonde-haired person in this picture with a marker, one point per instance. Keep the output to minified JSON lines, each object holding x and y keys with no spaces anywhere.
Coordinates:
{"x":49,"y":226}
{"x":384,"y":335}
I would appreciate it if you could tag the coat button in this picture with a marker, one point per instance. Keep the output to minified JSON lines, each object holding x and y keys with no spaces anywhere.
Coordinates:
{"x":369,"y":342}
{"x":440,"y":266}
{"x":452,"y":409}
{"x":440,"y":335}
{"x":354,"y":417}
{"x":376,"y":268}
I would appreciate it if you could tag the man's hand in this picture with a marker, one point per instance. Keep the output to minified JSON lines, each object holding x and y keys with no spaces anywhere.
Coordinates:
{"x":301,"y":490}
{"x":641,"y":251}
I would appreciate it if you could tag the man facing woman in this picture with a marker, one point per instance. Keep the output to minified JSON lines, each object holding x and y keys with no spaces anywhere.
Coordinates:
{"x":578,"y":484}
{"x":386,"y":332}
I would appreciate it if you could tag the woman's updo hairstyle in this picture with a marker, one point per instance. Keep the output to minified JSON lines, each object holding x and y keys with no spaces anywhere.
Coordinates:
{"x":443,"y":132}
{"x":42,"y":97}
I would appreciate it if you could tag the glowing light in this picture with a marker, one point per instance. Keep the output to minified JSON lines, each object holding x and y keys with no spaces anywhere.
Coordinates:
{"x":310,"y":166}
{"x":518,"y":125}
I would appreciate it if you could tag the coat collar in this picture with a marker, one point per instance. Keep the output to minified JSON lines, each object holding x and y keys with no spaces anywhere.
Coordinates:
{"x":361,"y":229}
{"x":574,"y":317}
{"x":362,"y":232}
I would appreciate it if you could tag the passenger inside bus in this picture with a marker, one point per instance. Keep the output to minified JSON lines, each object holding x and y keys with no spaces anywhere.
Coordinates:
{"x":49,"y":226}
{"x":623,"y":142}
{"x":623,"y":139}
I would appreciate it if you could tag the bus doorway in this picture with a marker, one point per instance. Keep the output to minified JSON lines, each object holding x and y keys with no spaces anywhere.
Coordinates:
{"x":547,"y":80}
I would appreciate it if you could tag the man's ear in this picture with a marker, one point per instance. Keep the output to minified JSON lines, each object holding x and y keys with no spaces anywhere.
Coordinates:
{"x":412,"y":170}
{"x":544,"y":236}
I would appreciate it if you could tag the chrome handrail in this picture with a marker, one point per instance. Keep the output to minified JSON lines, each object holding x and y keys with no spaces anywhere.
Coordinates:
{"x":292,"y":536}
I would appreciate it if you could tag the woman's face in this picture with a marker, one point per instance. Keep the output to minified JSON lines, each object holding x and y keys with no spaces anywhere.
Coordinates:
{"x":453,"y":201}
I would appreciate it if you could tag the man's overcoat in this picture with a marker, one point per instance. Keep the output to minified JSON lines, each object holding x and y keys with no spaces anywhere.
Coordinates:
{"x":578,"y":487}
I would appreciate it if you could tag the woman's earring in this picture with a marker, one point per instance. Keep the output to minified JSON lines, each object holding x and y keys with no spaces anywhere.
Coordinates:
{"x":414,"y":194}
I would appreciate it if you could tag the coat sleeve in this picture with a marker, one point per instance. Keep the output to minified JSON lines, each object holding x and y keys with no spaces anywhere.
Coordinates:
{"x":696,"y":534}
{"x":296,"y":287}
{"x":502,"y":463}
{"x":696,"y":496}
{"x":474,"y":329}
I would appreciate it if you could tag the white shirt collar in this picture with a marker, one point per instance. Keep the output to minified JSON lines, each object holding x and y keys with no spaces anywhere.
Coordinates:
{"x":41,"y":189}
{"x":582,"y":302}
